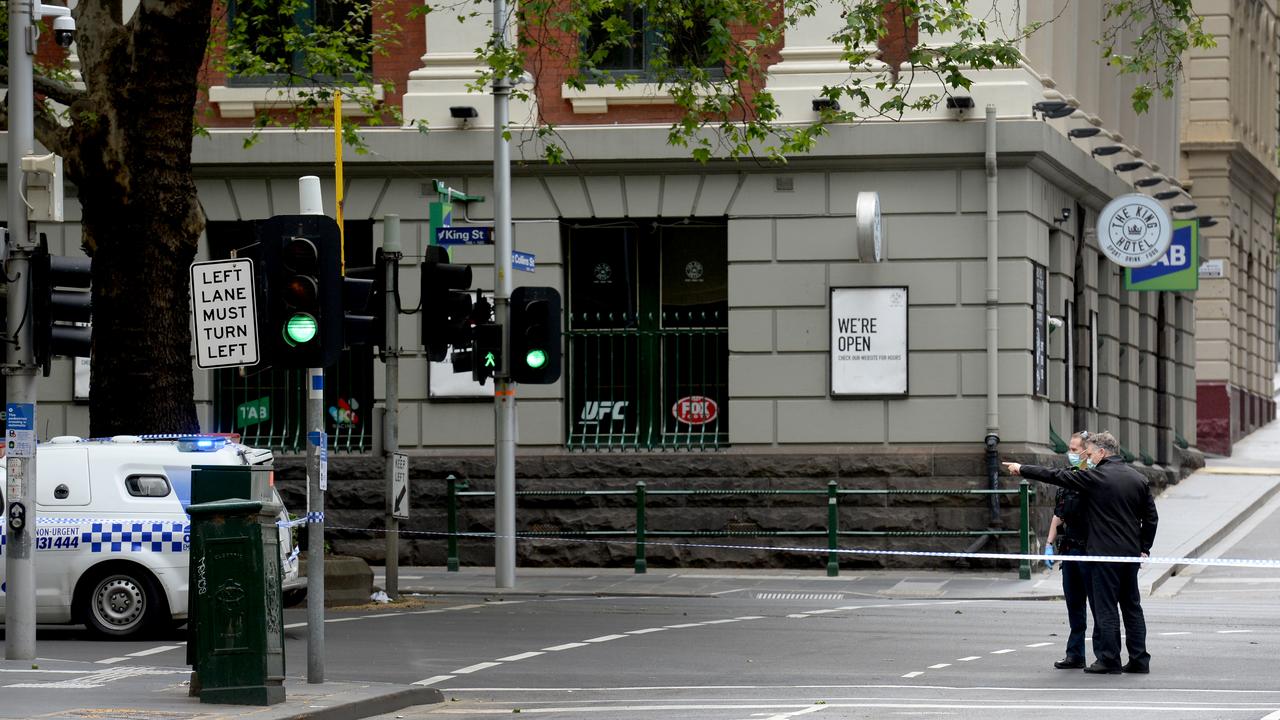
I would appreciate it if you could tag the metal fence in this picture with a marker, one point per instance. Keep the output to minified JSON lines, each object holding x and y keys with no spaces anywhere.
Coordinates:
{"x":456,"y":492}
{"x":645,"y":382}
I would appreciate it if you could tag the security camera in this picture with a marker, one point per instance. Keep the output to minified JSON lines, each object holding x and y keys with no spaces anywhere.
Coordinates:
{"x":64,"y":31}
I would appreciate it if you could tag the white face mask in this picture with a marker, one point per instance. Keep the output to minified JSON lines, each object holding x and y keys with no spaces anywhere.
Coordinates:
{"x":1074,"y":459}
{"x":1090,"y":464}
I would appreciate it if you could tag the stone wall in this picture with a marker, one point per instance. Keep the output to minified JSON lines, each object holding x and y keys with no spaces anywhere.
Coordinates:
{"x":355,"y":503}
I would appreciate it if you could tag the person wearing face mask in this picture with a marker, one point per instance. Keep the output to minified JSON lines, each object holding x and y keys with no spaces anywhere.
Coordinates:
{"x":1067,"y":536}
{"x":1121,"y":517}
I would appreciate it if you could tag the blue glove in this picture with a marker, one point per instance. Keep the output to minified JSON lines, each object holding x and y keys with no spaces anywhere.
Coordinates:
{"x":1048,"y":550}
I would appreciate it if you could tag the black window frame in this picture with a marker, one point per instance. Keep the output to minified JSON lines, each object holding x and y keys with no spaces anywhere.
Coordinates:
{"x":647,"y":42}
{"x":306,"y":15}
{"x":134,"y":490}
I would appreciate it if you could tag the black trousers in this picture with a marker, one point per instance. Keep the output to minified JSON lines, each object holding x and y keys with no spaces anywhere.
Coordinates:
{"x":1075,"y":590}
{"x":1113,"y":585}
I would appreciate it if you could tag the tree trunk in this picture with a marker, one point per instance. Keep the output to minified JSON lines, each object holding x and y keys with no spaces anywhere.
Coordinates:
{"x":130,"y":157}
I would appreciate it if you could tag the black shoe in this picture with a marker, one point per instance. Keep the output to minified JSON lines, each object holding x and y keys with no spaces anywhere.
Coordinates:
{"x":1099,"y":669}
{"x":1132,"y":667}
{"x":1067,"y":663}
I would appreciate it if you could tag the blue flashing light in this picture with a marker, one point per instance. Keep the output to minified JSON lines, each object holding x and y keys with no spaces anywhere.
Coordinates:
{"x":201,"y":444}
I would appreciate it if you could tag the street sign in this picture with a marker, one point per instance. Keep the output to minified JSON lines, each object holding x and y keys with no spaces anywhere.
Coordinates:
{"x":1213,"y":269}
{"x":1176,"y":270}
{"x":400,"y":486}
{"x":253,"y":412}
{"x":522,"y":261}
{"x":20,"y":429}
{"x":223,"y":305}
{"x":479,"y":235}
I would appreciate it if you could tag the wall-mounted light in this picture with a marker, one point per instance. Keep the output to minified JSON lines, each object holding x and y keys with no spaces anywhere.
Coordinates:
{"x":1106,"y":150}
{"x":1184,"y":207}
{"x":1149,"y":181}
{"x":1084,"y":132}
{"x":463,"y":113}
{"x":1052,"y":109}
{"x":823,"y":104}
{"x":1167,"y":194}
{"x":1207,"y":221}
{"x":959,"y":102}
{"x":1129,"y":165}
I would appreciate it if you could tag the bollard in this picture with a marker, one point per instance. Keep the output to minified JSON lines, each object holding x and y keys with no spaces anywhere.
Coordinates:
{"x":641,"y":566}
{"x":1024,"y":526}
{"x":833,"y":531}
{"x":451,"y":559}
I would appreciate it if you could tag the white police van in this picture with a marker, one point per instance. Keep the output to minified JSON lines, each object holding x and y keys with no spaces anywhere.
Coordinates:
{"x":112,"y":532}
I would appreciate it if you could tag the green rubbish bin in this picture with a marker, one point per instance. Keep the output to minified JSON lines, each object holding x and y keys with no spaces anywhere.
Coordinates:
{"x":236,"y":598}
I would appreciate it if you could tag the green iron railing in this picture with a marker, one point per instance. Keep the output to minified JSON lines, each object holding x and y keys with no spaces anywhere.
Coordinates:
{"x":645,"y":382}
{"x":455,"y":492}
{"x":268,"y":408}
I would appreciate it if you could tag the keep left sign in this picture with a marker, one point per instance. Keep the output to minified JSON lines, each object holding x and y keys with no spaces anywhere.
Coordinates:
{"x":223,"y":306}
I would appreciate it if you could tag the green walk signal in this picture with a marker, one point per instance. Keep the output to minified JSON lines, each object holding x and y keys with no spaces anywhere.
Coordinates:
{"x":490,"y":361}
{"x":536,"y":359}
{"x":299,"y":329}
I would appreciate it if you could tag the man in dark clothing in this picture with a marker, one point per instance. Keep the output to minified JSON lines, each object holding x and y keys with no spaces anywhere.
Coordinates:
{"x":1068,"y":537}
{"x":1121,"y":517}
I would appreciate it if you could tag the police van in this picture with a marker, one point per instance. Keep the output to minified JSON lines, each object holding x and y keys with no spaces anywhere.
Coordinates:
{"x":112,"y":532}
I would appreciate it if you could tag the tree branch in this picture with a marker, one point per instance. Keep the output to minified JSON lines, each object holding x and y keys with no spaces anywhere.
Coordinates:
{"x":55,"y":90}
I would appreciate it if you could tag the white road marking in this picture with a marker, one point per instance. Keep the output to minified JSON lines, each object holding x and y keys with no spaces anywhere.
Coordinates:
{"x":682,"y":626}
{"x":967,"y":659}
{"x":787,"y":715}
{"x":917,"y":673}
{"x":1233,"y":632}
{"x":887,"y":705}
{"x":475,"y":668}
{"x":645,"y":631}
{"x":798,"y":616}
{"x":1180,"y":632}
{"x":1002,"y":652}
{"x":434,"y":679}
{"x":155,"y":650}
{"x":341,"y":619}
{"x":721,"y":622}
{"x":750,"y":617}
{"x":604,"y":638}
{"x":823,"y":612}
{"x":521,"y":656}
{"x":566,"y":646}
{"x":1234,"y":580}
{"x":1272,"y":716}
{"x":292,"y":626}
{"x":726,"y":592}
{"x":111,"y":660}
{"x":1044,"y":644}
{"x":41,"y":671}
{"x":983,"y":690}
{"x":939,"y":666}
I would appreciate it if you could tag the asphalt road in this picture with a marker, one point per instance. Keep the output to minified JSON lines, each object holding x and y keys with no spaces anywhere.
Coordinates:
{"x":779,"y":653}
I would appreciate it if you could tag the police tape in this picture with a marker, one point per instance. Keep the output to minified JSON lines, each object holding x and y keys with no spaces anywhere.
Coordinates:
{"x":1214,"y":562}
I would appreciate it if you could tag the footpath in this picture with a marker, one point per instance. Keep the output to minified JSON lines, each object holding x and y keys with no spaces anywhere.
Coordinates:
{"x":1195,"y":515}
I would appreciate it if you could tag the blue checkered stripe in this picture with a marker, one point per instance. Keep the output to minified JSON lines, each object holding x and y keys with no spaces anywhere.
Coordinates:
{"x":126,"y":536}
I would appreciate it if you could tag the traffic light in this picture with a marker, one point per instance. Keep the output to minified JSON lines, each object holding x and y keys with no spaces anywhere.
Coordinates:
{"x":445,"y":311}
{"x":304,"y":291}
{"x":481,"y":353}
{"x":57,"y":311}
{"x":534,"y":334}
{"x":364,"y":309}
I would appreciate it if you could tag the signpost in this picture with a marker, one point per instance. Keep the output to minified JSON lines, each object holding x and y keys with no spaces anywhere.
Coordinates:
{"x":226,"y":318}
{"x":400,"y":486}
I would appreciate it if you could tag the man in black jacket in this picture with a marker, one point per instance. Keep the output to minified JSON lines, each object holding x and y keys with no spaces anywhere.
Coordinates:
{"x":1121,"y":523}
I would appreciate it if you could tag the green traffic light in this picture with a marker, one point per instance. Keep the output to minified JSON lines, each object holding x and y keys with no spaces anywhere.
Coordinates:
{"x":535,"y":359}
{"x":299,"y":329}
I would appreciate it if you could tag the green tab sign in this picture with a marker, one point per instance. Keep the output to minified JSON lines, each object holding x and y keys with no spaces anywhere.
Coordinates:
{"x":253,"y":412}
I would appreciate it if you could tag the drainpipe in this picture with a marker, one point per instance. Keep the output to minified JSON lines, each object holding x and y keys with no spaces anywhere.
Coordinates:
{"x":992,"y":440}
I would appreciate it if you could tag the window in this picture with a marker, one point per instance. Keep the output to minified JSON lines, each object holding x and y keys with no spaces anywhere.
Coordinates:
{"x":624,"y":42}
{"x":271,"y":29}
{"x":151,"y":486}
{"x":647,"y":363}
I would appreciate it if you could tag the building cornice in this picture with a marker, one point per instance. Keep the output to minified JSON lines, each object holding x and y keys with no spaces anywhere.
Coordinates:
{"x":1243,"y":160}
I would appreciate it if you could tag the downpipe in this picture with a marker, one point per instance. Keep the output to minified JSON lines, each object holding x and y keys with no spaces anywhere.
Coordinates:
{"x":992,"y":440}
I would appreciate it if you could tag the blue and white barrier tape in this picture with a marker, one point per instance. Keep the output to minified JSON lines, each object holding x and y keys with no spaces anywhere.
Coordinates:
{"x":1218,"y":562}
{"x":296,"y":522}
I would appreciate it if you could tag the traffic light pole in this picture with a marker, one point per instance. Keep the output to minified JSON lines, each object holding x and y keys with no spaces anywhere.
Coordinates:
{"x":309,"y":203}
{"x":391,"y":418}
{"x":504,"y":497}
{"x":20,"y":490}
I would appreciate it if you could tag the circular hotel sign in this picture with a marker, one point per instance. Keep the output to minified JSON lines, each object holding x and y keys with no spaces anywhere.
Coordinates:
{"x":1134,"y":230}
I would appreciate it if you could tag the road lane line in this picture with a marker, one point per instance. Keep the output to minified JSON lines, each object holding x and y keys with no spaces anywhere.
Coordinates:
{"x":1044,"y":644}
{"x":917,"y":673}
{"x":604,"y":638}
{"x":1272,"y":716}
{"x":433,"y":680}
{"x":939,"y":666}
{"x":475,"y":668}
{"x":292,"y":626}
{"x":111,"y":660}
{"x":155,"y":650}
{"x":823,"y":611}
{"x":1181,"y":632}
{"x":798,"y":616}
{"x":566,"y":646}
{"x":726,"y":592}
{"x":967,"y":659}
{"x":750,"y":617}
{"x":1233,"y":632}
{"x":1002,"y":652}
{"x":645,"y":631}
{"x":521,"y":656}
{"x":682,"y":626}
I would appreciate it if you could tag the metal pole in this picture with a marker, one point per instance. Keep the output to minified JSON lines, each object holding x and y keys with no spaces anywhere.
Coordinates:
{"x":833,"y":529}
{"x":991,"y":442}
{"x":310,"y":204}
{"x":20,"y":495}
{"x":642,"y":565}
{"x":451,"y":545}
{"x":1024,"y":525}
{"x":504,"y":499}
{"x":391,"y":418}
